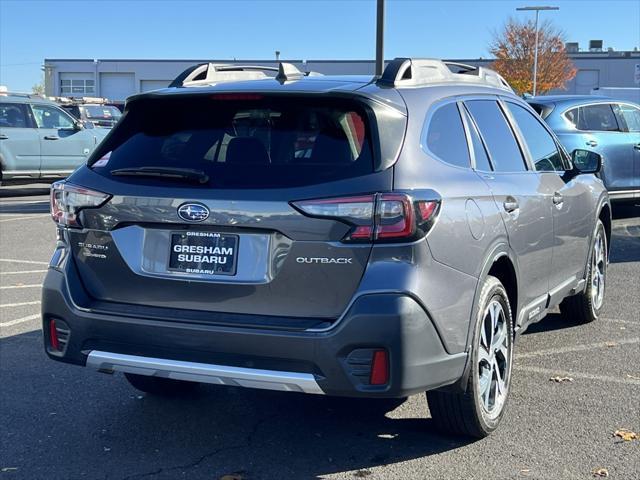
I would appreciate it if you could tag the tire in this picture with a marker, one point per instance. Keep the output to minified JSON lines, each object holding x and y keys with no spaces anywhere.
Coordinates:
{"x":585,"y":307}
{"x":477,"y":411}
{"x":160,"y":386}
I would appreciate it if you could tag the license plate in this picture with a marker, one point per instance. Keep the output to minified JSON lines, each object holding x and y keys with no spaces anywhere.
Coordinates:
{"x":203,"y":253}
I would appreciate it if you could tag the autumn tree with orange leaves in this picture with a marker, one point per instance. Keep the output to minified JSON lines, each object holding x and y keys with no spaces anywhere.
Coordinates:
{"x":514,"y":47}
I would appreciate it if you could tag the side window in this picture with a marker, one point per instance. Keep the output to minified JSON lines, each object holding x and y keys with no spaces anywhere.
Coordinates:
{"x":542,"y":146}
{"x":51,"y":117}
{"x":599,"y":118}
{"x":446,"y":137}
{"x":496,"y":132}
{"x":13,"y":115}
{"x":631,"y":117}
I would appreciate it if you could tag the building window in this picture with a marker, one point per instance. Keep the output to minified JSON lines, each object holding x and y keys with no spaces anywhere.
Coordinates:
{"x":77,"y":87}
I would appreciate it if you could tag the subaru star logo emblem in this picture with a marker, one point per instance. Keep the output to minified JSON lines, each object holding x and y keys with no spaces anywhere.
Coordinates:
{"x":193,"y":212}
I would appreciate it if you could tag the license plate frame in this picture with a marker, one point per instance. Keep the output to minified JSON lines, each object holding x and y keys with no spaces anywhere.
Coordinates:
{"x":213,"y":245}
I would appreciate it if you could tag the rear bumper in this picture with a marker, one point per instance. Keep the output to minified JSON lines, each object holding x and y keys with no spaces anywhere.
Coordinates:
{"x":334,"y":362}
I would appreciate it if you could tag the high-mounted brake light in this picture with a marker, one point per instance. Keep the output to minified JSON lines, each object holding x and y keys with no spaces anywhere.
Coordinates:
{"x":236,"y":96}
{"x":67,"y":200}
{"x":384,"y":217}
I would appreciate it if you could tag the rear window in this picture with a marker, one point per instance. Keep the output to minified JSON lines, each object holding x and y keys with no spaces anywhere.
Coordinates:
{"x":102,"y":111}
{"x":242,"y":141}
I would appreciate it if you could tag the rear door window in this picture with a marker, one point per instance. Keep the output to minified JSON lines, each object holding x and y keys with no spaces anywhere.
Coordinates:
{"x":243,"y":141}
{"x":631,"y":116}
{"x":597,"y":118}
{"x":13,"y":115}
{"x":497,"y":134}
{"x":446,"y":137}
{"x":542,"y":147}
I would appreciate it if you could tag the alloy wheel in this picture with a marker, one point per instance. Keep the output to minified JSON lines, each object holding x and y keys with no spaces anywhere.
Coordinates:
{"x":493,"y":359}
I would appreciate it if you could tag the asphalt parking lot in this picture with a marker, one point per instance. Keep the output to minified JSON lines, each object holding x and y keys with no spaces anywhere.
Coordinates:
{"x":64,"y":422}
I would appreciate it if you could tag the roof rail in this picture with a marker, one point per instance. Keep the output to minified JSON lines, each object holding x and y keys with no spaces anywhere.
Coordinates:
{"x":423,"y":71}
{"x":212,"y":73}
{"x":4,"y":92}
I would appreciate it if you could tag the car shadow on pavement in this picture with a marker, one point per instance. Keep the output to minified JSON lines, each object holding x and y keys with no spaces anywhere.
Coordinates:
{"x":26,"y":208}
{"x":550,"y":323}
{"x":105,"y":426}
{"x":23,"y":191}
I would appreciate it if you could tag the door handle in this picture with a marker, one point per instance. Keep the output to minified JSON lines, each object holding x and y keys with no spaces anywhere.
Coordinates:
{"x":557,"y":198}
{"x":510,"y":205}
{"x":52,"y":137}
{"x":3,"y":136}
{"x":591,"y":143}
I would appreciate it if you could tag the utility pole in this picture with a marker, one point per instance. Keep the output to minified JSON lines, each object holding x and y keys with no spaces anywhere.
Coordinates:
{"x":535,"y":54}
{"x":379,"y":37}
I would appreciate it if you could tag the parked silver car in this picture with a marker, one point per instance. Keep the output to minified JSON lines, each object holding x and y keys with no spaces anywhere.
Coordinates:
{"x":357,"y":236}
{"x":604,"y":125}
{"x":39,"y":140}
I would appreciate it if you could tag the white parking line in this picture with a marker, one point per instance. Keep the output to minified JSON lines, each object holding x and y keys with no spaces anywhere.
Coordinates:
{"x":619,"y":320}
{"x":24,"y":218}
{"x":577,"y":348}
{"x":23,"y":272}
{"x":15,"y":260}
{"x":587,"y":376}
{"x":20,"y":304}
{"x":11,"y":287}
{"x":20,"y":320}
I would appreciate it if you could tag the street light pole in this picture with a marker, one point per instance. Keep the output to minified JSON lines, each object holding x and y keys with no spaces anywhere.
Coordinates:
{"x":535,"y":54}
{"x":379,"y":37}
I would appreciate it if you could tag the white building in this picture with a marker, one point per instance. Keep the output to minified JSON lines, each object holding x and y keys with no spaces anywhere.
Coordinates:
{"x":118,"y":79}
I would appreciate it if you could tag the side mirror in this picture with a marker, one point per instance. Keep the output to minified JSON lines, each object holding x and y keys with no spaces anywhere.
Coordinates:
{"x":88,"y":125}
{"x":78,"y":126}
{"x":586,"y":161}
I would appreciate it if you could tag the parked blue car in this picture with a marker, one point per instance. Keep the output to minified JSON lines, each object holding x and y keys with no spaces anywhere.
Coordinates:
{"x":604,"y":125}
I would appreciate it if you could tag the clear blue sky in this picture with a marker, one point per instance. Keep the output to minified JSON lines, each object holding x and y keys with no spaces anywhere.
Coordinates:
{"x":31,"y":30}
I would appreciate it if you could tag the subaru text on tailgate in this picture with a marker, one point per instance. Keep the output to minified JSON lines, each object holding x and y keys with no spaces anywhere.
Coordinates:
{"x":354,"y":236}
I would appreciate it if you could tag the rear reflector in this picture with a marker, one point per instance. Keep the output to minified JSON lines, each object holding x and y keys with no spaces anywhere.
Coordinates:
{"x":379,"y":368}
{"x":382,"y":217}
{"x":53,"y":335}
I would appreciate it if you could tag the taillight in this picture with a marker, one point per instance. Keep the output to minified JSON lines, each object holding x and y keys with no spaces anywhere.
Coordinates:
{"x":67,"y":200}
{"x":384,"y":217}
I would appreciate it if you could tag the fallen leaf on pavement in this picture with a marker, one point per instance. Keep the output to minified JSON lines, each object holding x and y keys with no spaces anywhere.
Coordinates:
{"x":561,"y":379}
{"x":600,"y":472}
{"x":232,"y":476}
{"x":625,"y":435}
{"x":610,"y":344}
{"x":362,"y":473}
{"x":633,"y":376}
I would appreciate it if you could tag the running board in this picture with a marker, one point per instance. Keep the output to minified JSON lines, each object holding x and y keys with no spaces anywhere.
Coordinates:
{"x":108,"y":362}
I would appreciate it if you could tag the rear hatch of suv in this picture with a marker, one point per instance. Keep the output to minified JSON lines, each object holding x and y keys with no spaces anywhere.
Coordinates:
{"x":209,"y":196}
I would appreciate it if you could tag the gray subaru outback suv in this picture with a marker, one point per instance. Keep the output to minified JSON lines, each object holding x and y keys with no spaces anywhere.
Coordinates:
{"x":372,"y":237}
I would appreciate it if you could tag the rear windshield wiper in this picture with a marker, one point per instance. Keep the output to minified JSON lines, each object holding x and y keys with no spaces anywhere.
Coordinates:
{"x":186,"y":174}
